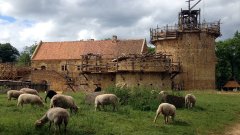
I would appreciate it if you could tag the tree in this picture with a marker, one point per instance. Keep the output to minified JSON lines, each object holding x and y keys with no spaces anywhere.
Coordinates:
{"x":8,"y":53}
{"x":25,"y":56}
{"x":151,"y":49}
{"x":228,"y":54}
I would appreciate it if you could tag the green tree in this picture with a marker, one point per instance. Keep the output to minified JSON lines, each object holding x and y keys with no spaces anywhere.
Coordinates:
{"x":228,"y":54}
{"x":8,"y":53}
{"x":25,"y":56}
{"x":151,"y":49}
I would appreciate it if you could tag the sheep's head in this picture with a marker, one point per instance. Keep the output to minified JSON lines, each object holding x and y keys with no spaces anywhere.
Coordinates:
{"x":75,"y":109}
{"x":39,"y":123}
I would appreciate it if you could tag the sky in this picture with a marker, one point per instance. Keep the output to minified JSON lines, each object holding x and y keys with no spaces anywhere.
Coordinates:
{"x":26,"y":22}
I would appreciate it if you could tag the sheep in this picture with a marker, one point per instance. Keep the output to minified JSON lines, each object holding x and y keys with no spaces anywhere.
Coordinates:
{"x":106,"y":99}
{"x":167,"y":110}
{"x":63,"y":101}
{"x":30,"y":91}
{"x":50,"y":94}
{"x":13,"y":94}
{"x":56,"y":115}
{"x":190,"y":101}
{"x":29,"y":99}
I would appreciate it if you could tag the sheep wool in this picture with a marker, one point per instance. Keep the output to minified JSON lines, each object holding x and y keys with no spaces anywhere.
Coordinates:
{"x":190,"y":101}
{"x":30,"y":91}
{"x":13,"y":94}
{"x":63,"y":101}
{"x":29,"y":99}
{"x":167,"y":110}
{"x":106,"y":99}
{"x":50,"y":94}
{"x":56,"y":115}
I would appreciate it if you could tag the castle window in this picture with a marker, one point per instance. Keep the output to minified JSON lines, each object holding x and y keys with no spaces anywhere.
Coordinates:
{"x":64,"y":67}
{"x":78,"y":67}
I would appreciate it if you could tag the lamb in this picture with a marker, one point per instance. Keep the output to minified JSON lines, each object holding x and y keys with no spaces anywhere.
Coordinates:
{"x":13,"y":94}
{"x":56,"y":115}
{"x":29,"y":99}
{"x":167,"y":110}
{"x":50,"y":94}
{"x":63,"y":101}
{"x":106,"y":99}
{"x":190,"y":101}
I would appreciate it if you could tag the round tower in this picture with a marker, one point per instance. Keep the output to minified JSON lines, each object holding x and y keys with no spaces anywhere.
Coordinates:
{"x":192,"y":43}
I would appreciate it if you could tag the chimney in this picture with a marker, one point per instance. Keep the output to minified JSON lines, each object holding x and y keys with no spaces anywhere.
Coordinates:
{"x":114,"y":38}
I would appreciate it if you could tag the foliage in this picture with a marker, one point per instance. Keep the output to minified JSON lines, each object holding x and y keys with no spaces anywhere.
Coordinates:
{"x":228,"y":54}
{"x":210,"y":116}
{"x":25,"y":56}
{"x":139,"y":98}
{"x":151,"y":49}
{"x":8,"y":53}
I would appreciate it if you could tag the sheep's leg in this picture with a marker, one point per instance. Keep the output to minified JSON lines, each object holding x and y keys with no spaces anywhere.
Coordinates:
{"x":156,"y":117}
{"x":50,"y":123}
{"x":165,"y":119}
{"x":65,"y":126}
{"x":59,"y":127}
{"x":114,"y":107}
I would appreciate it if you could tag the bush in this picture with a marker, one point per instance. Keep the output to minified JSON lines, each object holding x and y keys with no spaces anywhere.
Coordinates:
{"x":139,"y":98}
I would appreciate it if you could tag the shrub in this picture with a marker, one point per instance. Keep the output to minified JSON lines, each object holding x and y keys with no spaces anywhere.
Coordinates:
{"x":139,"y":98}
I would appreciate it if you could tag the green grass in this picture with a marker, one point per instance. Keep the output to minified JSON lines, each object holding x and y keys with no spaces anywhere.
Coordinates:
{"x":213,"y":112}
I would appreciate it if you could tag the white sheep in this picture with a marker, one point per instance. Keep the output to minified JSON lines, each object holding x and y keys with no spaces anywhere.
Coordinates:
{"x":63,"y":101}
{"x":56,"y":115}
{"x":30,"y":91}
{"x":190,"y":101}
{"x":167,"y":110}
{"x":13,"y":94}
{"x":106,"y":99}
{"x":29,"y":99}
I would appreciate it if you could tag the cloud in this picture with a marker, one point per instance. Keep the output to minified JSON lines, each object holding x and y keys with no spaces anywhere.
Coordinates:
{"x":63,"y":20}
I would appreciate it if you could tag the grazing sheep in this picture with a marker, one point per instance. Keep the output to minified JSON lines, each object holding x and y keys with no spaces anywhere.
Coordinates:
{"x":106,"y":99}
{"x":177,"y":101}
{"x":30,"y":91}
{"x":50,"y":94}
{"x":29,"y":99}
{"x":13,"y":94}
{"x":63,"y":101}
{"x":167,"y":110}
{"x":190,"y":101}
{"x":56,"y":115}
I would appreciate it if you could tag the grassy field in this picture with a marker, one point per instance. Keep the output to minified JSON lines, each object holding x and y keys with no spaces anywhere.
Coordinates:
{"x":213,"y":112}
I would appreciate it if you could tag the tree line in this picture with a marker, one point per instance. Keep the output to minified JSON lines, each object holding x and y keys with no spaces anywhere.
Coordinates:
{"x":8,"y":53}
{"x":227,"y":52}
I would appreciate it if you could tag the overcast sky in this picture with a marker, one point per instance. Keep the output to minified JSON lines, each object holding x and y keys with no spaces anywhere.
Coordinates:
{"x":24,"y":22}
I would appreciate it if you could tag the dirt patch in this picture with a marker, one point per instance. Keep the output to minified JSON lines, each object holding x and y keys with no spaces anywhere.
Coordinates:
{"x":233,"y":130}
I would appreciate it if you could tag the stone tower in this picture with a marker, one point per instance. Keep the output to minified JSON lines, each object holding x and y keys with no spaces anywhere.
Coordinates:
{"x":192,"y":43}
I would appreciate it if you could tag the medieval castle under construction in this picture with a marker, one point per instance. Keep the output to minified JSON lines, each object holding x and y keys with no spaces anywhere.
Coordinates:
{"x":184,"y":59}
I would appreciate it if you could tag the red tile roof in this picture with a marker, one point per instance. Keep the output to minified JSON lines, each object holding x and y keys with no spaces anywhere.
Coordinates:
{"x":232,"y":84}
{"x":74,"y":49}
